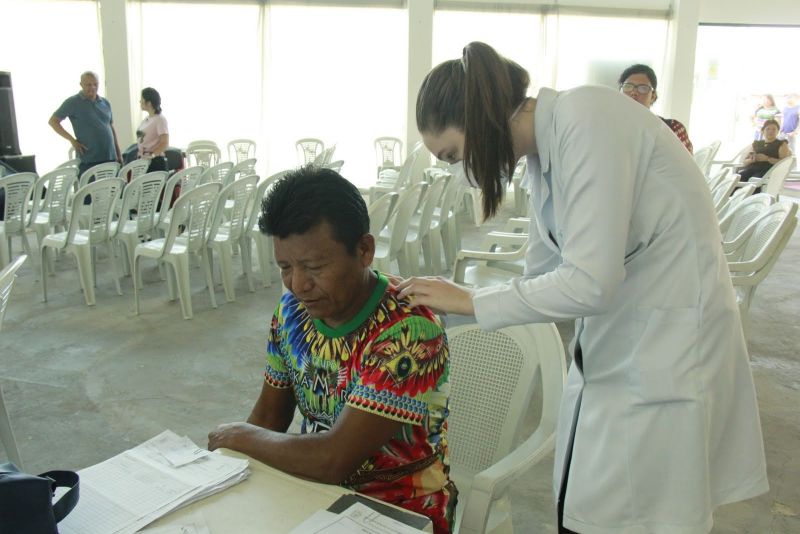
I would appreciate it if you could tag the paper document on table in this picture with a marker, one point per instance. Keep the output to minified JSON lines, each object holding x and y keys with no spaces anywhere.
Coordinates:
{"x":358,"y":518}
{"x":133,"y":489}
{"x":194,"y":524}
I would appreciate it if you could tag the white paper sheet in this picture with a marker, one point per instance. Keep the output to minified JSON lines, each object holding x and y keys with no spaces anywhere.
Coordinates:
{"x":357,"y":518}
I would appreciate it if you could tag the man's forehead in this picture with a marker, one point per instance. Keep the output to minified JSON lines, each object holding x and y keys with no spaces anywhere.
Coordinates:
{"x":88,"y":78}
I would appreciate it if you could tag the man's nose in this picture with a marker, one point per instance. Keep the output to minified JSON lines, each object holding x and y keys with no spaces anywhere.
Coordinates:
{"x":301,"y":282}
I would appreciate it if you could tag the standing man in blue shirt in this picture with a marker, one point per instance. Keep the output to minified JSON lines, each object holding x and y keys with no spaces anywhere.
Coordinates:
{"x":95,"y":139}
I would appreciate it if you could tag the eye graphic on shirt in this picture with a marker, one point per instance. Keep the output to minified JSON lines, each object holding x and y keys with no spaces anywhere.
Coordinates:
{"x":401,"y":367}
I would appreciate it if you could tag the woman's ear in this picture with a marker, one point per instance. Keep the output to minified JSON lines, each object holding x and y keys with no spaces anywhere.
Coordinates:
{"x":655,"y":97}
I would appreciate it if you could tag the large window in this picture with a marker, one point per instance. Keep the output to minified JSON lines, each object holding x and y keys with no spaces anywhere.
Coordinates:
{"x":735,"y":66}
{"x":46,"y":46}
{"x":337,"y":74}
{"x":206,"y":62}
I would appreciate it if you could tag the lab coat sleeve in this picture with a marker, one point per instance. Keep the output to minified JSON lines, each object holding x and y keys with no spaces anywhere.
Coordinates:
{"x":594,"y":174}
{"x":539,"y":258}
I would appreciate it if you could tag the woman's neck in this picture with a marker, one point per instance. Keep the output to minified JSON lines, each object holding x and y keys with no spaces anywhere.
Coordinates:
{"x":522,"y":129}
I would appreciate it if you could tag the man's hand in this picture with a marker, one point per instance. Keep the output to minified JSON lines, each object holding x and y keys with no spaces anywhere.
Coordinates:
{"x":439,"y":294}
{"x":78,"y":146}
{"x":228,"y":435}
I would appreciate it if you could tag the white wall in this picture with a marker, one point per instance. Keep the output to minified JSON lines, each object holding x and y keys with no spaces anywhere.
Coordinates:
{"x":750,"y":11}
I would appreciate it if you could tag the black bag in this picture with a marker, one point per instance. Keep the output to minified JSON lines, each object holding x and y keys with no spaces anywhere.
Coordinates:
{"x":26,"y":501}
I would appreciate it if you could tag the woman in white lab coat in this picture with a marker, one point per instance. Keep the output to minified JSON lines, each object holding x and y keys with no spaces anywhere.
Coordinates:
{"x":659,"y":422}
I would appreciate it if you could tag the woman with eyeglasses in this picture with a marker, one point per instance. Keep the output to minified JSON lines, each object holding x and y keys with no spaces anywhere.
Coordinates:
{"x":639,"y":82}
{"x":658,"y":422}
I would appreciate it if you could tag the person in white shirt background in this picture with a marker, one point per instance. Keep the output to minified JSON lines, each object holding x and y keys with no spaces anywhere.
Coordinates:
{"x":659,"y":422}
{"x":152,"y":135}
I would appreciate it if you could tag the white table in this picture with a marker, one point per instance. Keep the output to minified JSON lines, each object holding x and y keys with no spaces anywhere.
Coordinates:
{"x":268,"y":501}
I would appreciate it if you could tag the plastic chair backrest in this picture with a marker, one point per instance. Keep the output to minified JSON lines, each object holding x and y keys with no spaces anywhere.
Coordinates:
{"x":769,"y":230}
{"x":745,"y":214}
{"x":218,"y":173}
{"x":241,"y":192}
{"x":723,"y":190}
{"x":142,"y":194}
{"x":735,"y":199}
{"x":134,"y":169}
{"x":451,"y":195}
{"x":308,"y":149}
{"x":70,"y":163}
{"x":487,"y":409}
{"x":241,"y":149}
{"x":17,"y":189}
{"x":104,"y":194}
{"x":432,"y":199}
{"x":388,"y":151}
{"x":404,"y":175}
{"x":103,"y":171}
{"x":193,"y":214}
{"x":58,"y":183}
{"x":7,"y":276}
{"x":335,"y":166}
{"x":204,"y":153}
{"x":401,"y":218}
{"x":240,"y":170}
{"x":703,"y":158}
{"x":776,"y":175}
{"x":325,"y":157}
{"x":380,"y":211}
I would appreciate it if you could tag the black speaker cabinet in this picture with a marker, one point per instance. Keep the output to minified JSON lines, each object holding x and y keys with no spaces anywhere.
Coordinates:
{"x":9,"y":140}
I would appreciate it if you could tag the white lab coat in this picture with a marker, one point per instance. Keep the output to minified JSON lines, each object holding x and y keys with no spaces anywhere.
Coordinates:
{"x":668,"y":425}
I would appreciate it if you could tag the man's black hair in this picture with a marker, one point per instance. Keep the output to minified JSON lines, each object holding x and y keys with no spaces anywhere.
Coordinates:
{"x":639,"y":69}
{"x":305,"y":197}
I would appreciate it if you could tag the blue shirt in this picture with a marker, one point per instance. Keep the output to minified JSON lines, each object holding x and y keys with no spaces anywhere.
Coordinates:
{"x":91,"y":121}
{"x":790,"y":119}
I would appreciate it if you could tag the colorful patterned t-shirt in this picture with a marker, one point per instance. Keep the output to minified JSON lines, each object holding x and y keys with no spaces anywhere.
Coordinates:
{"x":390,"y":360}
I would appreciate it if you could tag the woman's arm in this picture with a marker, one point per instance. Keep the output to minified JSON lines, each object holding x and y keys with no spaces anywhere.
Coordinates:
{"x":784,"y":151}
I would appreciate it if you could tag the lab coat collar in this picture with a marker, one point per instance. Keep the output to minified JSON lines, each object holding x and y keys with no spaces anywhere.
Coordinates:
{"x":543,"y":125}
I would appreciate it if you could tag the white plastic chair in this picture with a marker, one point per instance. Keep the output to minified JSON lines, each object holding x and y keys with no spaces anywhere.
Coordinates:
{"x":767,"y":240}
{"x":447,"y":219}
{"x":17,"y":189}
{"x":488,"y":267}
{"x":735,"y":227}
{"x":241,"y":149}
{"x":81,"y":242}
{"x":252,"y":233}
{"x":240,"y":170}
{"x":335,"y":166}
{"x":722,"y":192}
{"x":308,"y":149}
{"x":704,"y":156}
{"x":776,"y":176}
{"x":7,"y":277}
{"x":488,"y":408}
{"x":423,"y":233}
{"x":51,"y":213}
{"x":142,"y":195}
{"x":134,"y":169}
{"x":218,"y":173}
{"x":222,"y":236}
{"x":380,"y":211}
{"x":185,"y":181}
{"x":390,"y":245}
{"x":388,"y":153}
{"x":191,"y":212}
{"x":204,"y":153}
{"x":395,"y":183}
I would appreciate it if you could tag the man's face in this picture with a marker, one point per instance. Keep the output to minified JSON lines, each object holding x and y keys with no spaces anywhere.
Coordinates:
{"x":89,"y":86}
{"x":323,"y":275}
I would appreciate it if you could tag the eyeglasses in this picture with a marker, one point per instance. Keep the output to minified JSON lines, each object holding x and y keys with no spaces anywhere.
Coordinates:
{"x":641,"y":88}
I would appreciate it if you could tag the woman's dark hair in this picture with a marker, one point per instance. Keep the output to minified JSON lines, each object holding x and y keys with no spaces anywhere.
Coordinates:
{"x":476,"y":95}
{"x":770,"y":122}
{"x":151,"y":95}
{"x":639,"y":69}
{"x":771,"y":100}
{"x":305,"y":197}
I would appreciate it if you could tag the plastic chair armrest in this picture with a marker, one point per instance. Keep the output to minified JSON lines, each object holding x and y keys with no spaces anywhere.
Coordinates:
{"x":493,"y":481}
{"x":464,"y":257}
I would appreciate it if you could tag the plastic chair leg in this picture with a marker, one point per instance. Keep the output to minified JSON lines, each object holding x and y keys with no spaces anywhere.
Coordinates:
{"x":262,"y":245}
{"x":226,"y":270}
{"x":44,"y":266}
{"x":171,"y":282}
{"x":7,"y":434}
{"x":181,"y":266}
{"x":86,"y":272}
{"x":5,"y":253}
{"x":209,"y":279}
{"x":246,"y":246}
{"x":137,"y":283}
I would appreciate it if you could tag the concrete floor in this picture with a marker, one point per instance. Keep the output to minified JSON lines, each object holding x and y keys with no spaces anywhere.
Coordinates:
{"x":83,"y":384}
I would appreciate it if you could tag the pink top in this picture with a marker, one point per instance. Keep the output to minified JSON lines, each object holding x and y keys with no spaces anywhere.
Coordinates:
{"x":148,"y":133}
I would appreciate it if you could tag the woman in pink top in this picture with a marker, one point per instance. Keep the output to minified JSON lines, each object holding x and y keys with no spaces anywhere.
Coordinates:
{"x":153,"y":135}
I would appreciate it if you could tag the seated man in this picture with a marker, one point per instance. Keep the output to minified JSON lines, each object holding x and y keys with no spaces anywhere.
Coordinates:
{"x":368,"y":372}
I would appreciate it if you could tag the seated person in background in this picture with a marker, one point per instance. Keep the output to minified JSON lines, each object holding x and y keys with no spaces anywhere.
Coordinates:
{"x":639,"y":82}
{"x":368,"y":372}
{"x":766,"y":152}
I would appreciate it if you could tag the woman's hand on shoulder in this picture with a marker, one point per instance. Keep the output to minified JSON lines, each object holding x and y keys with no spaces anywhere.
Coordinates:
{"x":437,"y":293}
